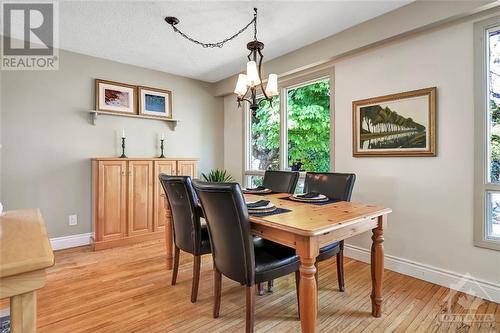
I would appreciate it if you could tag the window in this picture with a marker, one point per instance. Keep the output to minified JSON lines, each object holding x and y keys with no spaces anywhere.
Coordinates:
{"x":291,"y":134}
{"x":265,"y":136}
{"x":487,"y":132}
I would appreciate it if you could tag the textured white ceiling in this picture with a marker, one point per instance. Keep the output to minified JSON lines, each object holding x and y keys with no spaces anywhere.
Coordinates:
{"x":135,"y":32}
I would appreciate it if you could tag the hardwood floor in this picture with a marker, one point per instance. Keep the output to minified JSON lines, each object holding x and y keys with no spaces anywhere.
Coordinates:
{"x":127,"y":289}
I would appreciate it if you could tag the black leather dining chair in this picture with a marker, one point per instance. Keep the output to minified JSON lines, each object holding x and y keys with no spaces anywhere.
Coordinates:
{"x":189,"y":234}
{"x":236,"y":255}
{"x":280,"y":181}
{"x":336,"y":186}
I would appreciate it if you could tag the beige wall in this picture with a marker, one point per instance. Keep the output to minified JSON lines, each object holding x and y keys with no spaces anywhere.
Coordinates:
{"x":48,"y":140}
{"x":432,"y":198}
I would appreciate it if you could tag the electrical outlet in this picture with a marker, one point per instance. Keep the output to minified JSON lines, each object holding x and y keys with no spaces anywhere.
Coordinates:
{"x":73,"y":220}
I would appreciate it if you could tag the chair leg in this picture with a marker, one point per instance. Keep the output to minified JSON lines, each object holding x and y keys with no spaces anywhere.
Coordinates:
{"x":217,"y":292}
{"x":316,"y":276}
{"x":297,"y":284}
{"x":270,"y":286}
{"x":250,"y":315}
{"x":260,"y":289}
{"x":176,"y":265}
{"x":196,"y":278}
{"x":340,"y":266}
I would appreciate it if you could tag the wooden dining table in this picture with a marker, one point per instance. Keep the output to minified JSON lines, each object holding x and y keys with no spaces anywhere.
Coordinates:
{"x":307,"y":227}
{"x":25,"y":253}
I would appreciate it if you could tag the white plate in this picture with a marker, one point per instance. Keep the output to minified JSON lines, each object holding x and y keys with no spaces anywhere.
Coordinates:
{"x":268,"y":206}
{"x":266,"y":190}
{"x":319,"y":197}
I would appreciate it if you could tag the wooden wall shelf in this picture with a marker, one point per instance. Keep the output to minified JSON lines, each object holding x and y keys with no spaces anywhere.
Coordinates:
{"x":94,"y":115}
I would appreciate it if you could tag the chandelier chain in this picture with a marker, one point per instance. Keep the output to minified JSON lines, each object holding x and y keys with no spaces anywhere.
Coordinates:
{"x":221,"y":43}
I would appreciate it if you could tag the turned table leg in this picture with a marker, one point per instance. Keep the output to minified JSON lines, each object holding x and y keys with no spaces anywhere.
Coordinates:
{"x":307,"y":250}
{"x":169,"y":240}
{"x":23,"y":313}
{"x":377,"y":267}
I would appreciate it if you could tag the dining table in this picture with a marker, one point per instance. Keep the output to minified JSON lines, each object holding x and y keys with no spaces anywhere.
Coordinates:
{"x":307,"y":227}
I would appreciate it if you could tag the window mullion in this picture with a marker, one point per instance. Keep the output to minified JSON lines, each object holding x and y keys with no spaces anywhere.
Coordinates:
{"x":283,"y":130}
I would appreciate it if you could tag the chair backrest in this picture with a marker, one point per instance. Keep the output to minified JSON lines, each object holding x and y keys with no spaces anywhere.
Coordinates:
{"x":186,"y":220}
{"x":229,"y":229}
{"x":281,"y":181}
{"x":334,"y":185}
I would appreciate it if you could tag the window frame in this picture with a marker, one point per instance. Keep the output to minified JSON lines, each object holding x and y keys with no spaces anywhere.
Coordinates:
{"x":482,"y":182}
{"x":288,"y":82}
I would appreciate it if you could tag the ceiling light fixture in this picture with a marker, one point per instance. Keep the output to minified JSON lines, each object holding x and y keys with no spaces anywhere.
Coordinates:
{"x":248,"y":84}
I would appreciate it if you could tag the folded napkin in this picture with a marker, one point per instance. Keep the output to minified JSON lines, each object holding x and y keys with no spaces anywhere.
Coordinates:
{"x":258,"y":188}
{"x":257,"y":204}
{"x":308,"y":195}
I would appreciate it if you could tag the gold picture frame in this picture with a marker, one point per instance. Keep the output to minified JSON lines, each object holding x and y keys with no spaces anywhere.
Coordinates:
{"x":402,"y":124}
{"x":154,"y":102}
{"x":115,"y":97}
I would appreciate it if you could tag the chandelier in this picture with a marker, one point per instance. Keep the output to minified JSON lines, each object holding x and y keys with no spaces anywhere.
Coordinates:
{"x":249,"y":84}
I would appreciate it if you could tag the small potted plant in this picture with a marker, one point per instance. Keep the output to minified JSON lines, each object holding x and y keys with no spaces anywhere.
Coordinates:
{"x":218,"y":176}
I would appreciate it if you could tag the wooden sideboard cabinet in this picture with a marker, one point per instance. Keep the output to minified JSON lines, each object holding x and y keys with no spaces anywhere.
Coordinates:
{"x":127,"y":202}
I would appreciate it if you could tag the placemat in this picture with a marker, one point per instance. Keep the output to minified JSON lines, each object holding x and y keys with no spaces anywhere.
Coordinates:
{"x":312,"y":203}
{"x":274,"y":212}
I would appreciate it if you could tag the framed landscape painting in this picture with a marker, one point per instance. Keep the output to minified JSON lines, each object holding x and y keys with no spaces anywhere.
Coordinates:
{"x":401,"y":124}
{"x":155,"y":102}
{"x":115,"y":97}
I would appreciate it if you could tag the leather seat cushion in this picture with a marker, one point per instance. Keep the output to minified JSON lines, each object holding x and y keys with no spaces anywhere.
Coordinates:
{"x":328,"y":251}
{"x":273,"y":260}
{"x":205,"y":240}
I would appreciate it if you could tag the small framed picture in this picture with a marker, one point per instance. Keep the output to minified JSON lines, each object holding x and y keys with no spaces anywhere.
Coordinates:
{"x":401,"y":124}
{"x":155,"y":102}
{"x":115,"y":97}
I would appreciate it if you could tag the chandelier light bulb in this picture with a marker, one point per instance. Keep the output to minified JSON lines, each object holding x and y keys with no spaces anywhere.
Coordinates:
{"x":241,"y":85}
{"x":272,"y":85}
{"x":252,"y":74}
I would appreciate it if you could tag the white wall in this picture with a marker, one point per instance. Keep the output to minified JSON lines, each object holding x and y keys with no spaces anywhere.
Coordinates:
{"x":431,"y":197}
{"x":48,"y":140}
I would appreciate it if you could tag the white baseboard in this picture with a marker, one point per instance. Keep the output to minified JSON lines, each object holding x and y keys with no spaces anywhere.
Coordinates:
{"x":66,"y":242}
{"x":448,"y":279}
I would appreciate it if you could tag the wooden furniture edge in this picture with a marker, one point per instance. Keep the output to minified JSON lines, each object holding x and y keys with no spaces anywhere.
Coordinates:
{"x":319,"y":231}
{"x":22,"y":283}
{"x":39,"y":262}
{"x":144,"y":159}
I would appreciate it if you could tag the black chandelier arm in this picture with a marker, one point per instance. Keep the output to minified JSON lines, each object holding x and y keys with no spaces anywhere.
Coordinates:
{"x":216,"y":44}
{"x":260,"y":76}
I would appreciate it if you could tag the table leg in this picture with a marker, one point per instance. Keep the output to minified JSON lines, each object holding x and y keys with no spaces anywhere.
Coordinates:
{"x":307,"y":250}
{"x":23,"y":313}
{"x":377,"y":267}
{"x":169,"y":240}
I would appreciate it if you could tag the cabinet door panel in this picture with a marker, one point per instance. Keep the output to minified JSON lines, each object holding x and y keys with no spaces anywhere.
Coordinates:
{"x":187,"y":168}
{"x":140,"y":197}
{"x":111,"y":192}
{"x":169,"y":168}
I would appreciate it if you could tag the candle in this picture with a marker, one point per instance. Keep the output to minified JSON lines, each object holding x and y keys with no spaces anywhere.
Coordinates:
{"x":123,"y":132}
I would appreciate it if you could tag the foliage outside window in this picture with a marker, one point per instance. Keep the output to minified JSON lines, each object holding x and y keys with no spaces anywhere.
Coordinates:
{"x":265,"y":136}
{"x":306,"y":123}
{"x":309,"y":126}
